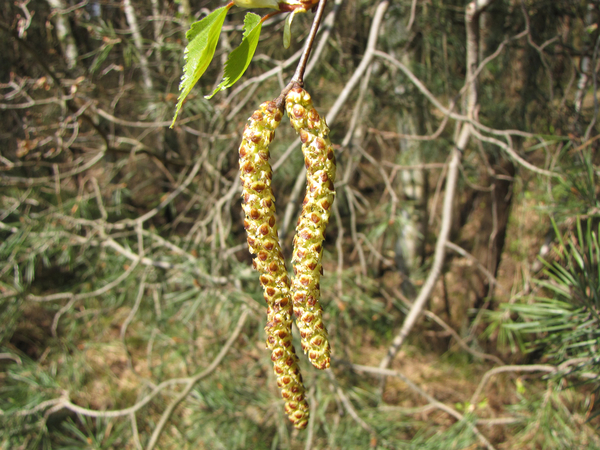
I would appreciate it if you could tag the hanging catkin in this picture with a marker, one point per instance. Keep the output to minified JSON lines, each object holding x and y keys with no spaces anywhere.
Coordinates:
{"x":259,"y":208}
{"x":319,"y":160}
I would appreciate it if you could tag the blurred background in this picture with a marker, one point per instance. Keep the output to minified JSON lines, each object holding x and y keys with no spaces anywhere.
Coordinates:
{"x":131,"y":315}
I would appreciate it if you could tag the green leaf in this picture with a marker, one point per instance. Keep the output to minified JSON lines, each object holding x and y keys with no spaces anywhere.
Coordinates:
{"x":203,"y":37}
{"x":287,"y":29}
{"x":239,"y":59}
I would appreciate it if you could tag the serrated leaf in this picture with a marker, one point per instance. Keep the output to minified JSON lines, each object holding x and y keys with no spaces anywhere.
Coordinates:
{"x":203,"y":37}
{"x":239,"y":59}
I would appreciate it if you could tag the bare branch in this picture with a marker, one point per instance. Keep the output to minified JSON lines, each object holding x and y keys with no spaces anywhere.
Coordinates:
{"x":299,"y":74}
{"x":193,"y":380}
{"x":65,"y":403}
{"x":447,"y":209}
{"x":393,"y":373}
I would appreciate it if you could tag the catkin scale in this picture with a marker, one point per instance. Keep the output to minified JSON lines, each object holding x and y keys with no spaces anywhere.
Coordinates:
{"x":258,"y":204}
{"x":319,"y":160}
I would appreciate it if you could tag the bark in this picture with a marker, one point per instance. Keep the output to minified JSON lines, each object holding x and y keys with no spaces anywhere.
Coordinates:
{"x":64,"y":33}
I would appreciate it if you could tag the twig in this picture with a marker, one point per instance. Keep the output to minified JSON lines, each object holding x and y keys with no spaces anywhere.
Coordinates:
{"x":540,"y":50}
{"x":348,"y":88}
{"x":137,"y":40}
{"x":448,"y":110}
{"x":12,"y":357}
{"x":353,"y":229}
{"x":438,"y":258}
{"x":40,"y":180}
{"x":107,"y":287}
{"x":414,"y":137}
{"x":173,"y":194}
{"x":471,"y":17}
{"x":134,"y":430}
{"x":132,"y":313}
{"x":326,"y":27}
{"x":461,"y":342}
{"x":592,"y":123}
{"x":64,"y":402}
{"x":193,"y":380}
{"x":39,"y":407}
{"x":411,"y":19}
{"x":461,"y":251}
{"x":299,"y":74}
{"x":99,"y":201}
{"x":524,"y":368}
{"x":58,"y":315}
{"x":348,"y":405}
{"x":291,"y":205}
{"x":508,"y":149}
{"x":424,"y":166}
{"x":364,"y":63}
{"x":311,"y":420}
{"x":422,"y":393}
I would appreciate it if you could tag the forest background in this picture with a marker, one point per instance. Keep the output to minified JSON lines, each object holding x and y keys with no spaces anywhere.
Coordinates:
{"x":461,"y":282}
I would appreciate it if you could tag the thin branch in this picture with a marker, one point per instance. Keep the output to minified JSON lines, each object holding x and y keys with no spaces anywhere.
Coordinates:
{"x":166,"y":124}
{"x":299,"y":74}
{"x":524,"y":368}
{"x":364,"y":63}
{"x":471,"y":19}
{"x":461,"y":342}
{"x":448,"y":111}
{"x":508,"y":149}
{"x":424,"y":166}
{"x":422,"y":393}
{"x":100,"y":291}
{"x":193,"y":380}
{"x":37,"y":408}
{"x":65,"y":403}
{"x":348,"y":405}
{"x":132,"y":313}
{"x":348,"y":88}
{"x":172,"y":195}
{"x":326,"y":27}
{"x":461,"y":251}
{"x":31,"y":181}
{"x":438,"y":258}
{"x":134,"y":430}
{"x":12,"y":357}
{"x":137,"y":40}
{"x":411,"y":19}
{"x":311,"y":420}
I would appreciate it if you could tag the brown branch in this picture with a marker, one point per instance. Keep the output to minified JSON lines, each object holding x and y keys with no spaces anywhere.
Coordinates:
{"x":63,"y":402}
{"x":422,"y":393}
{"x":193,"y":380}
{"x":472,"y":11}
{"x":299,"y":74}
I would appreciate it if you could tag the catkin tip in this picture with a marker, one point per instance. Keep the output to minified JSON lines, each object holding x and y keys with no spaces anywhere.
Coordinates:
{"x":310,"y":230}
{"x":260,"y":224}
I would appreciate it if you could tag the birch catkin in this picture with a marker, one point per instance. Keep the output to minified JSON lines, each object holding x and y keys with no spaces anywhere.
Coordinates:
{"x":319,"y":160}
{"x":259,"y":208}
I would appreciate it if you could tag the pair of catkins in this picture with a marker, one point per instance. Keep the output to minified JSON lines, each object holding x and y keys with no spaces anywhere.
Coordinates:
{"x":299,"y":296}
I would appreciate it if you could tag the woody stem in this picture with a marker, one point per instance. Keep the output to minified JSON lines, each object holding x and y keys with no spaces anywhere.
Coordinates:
{"x":298,"y":77}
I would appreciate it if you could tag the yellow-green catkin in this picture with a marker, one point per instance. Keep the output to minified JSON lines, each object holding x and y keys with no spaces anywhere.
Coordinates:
{"x":319,"y":160}
{"x":259,"y":208}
